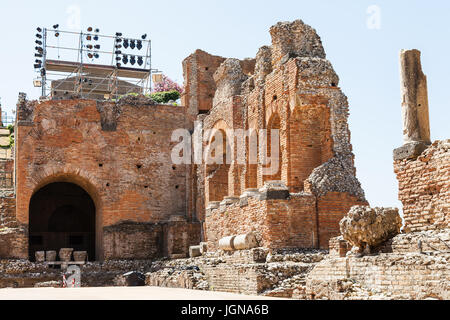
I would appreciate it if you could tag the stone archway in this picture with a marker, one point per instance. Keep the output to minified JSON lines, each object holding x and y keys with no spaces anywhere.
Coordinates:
{"x":62,"y":215}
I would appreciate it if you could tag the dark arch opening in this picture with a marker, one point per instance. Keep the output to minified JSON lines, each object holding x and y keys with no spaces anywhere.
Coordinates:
{"x":62,"y":215}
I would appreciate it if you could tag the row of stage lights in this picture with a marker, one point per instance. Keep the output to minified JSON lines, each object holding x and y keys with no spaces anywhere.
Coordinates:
{"x":92,"y":53}
{"x":39,"y":49}
{"x":128,"y":43}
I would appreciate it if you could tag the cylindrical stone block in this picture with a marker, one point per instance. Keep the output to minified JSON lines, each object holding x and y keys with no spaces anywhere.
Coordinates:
{"x":245,"y":241}
{"x":65,"y":254}
{"x":79,"y":256}
{"x":203,"y":247}
{"x":40,"y":256}
{"x":226,"y":243}
{"x":194,"y":251}
{"x":50,"y":256}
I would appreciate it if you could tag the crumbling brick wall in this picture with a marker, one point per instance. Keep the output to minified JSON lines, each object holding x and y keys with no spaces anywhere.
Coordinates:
{"x":119,"y":153}
{"x":424,"y":188}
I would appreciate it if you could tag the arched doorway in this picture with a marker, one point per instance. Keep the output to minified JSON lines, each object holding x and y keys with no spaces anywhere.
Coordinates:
{"x":62,"y":215}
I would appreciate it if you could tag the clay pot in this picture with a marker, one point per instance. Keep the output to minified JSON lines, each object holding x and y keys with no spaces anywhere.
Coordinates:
{"x":40,"y":256}
{"x":79,"y":255}
{"x":65,"y":254}
{"x":50,"y":256}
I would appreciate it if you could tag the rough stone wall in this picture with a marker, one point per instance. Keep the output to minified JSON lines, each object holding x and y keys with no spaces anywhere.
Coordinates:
{"x":384,"y":276}
{"x":424,"y":188}
{"x":13,"y":235}
{"x":119,"y":153}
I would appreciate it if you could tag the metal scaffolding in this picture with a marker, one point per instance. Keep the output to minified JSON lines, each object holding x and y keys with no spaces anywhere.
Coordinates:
{"x":76,"y":63}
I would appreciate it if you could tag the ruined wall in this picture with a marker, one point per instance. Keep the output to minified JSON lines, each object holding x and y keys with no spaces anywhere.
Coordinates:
{"x":119,"y":153}
{"x":277,"y":223}
{"x":13,"y":235}
{"x":293,"y":89}
{"x":424,"y":188}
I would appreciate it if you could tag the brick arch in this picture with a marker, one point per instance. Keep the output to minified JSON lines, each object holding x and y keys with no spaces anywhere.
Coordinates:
{"x":217,"y":175}
{"x":310,"y":143}
{"x":274,"y":122}
{"x":75,"y":176}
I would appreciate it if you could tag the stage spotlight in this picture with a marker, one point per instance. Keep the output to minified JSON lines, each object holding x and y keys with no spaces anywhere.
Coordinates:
{"x":39,"y":29}
{"x":38,"y":55}
{"x":118,"y":40}
{"x":97,"y":30}
{"x":133,"y":60}
{"x":118,"y":52}
{"x":38,"y":36}
{"x":95,"y":38}
{"x":97,"y":46}
{"x":90,"y":55}
{"x":43,"y":72}
{"x":125,"y":59}
{"x":89,"y":46}
{"x":132,"y":44}
{"x":88,"y":37}
{"x":118,"y":34}
{"x":144,"y":36}
{"x":139,"y":45}
{"x":118,"y":58}
{"x":118,"y":46}
{"x":140,"y":61}
{"x":38,"y":61}
{"x":89,"y":29}
{"x":37,"y":66}
{"x":125,"y":43}
{"x":38,"y":42}
{"x":39,"y":49}
{"x":56,"y":26}
{"x":96,"y":56}
{"x":57,"y":34}
{"x":118,"y":65}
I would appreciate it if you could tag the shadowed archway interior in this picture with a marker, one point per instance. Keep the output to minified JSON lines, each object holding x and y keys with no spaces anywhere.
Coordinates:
{"x":62,"y":215}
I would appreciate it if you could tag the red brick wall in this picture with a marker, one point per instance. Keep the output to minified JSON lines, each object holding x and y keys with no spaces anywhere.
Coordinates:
{"x":424,"y":188}
{"x":127,"y":171}
{"x":276,"y":223}
{"x":331,"y":208}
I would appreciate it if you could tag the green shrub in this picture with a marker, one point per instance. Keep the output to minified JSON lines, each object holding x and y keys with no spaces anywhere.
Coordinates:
{"x":166,"y":96}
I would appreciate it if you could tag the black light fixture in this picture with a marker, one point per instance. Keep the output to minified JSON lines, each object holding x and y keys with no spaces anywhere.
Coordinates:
{"x":96,"y":56}
{"x":89,"y":29}
{"x":38,"y":61}
{"x":97,"y":30}
{"x":118,"y":34}
{"x":39,"y":29}
{"x":43,"y":72}
{"x":97,"y":46}
{"x":38,"y":42}
{"x":39,"y":49}
{"x":118,"y":52}
{"x":125,"y":43}
{"x":57,"y":34}
{"x":132,"y":60}
{"x":95,"y":38}
{"x":88,"y":37}
{"x":55,"y":26}
{"x":140,"y":61}
{"x":118,"y":46}
{"x":139,"y":45}
{"x":144,"y":36}
{"x":125,"y":59}
{"x":90,"y":55}
{"x":37,"y":66}
{"x":118,"y":64}
{"x":118,"y":58}
{"x":38,"y":36}
{"x":38,"y":55}
{"x":89,"y":46}
{"x":132,"y":44}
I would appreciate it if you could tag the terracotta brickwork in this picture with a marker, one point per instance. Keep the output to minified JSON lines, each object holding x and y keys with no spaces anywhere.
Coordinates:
{"x":424,"y":188}
{"x":118,"y":153}
{"x":293,"y":89}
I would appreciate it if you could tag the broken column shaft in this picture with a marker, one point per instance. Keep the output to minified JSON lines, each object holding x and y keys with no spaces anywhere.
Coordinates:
{"x":416,"y":123}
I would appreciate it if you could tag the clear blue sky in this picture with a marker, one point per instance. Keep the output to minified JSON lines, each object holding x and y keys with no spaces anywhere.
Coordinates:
{"x":365,"y":59}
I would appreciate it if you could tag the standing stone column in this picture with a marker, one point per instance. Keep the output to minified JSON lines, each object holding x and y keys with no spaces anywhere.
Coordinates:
{"x":416,"y":123}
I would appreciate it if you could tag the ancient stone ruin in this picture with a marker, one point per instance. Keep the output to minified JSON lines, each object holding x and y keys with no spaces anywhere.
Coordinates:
{"x":94,"y":183}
